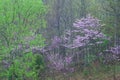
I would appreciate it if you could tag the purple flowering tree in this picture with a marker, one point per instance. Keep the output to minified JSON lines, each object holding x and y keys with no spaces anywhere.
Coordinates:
{"x":55,"y":60}
{"x":56,"y":41}
{"x":60,"y":63}
{"x":113,"y":54}
{"x":116,"y":52}
{"x":110,"y":55}
{"x":85,"y":31}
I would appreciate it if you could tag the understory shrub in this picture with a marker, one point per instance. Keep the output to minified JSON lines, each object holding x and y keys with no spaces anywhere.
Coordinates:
{"x":30,"y":66}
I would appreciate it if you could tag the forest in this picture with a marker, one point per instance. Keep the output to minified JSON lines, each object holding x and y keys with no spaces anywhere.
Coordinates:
{"x":59,"y":39}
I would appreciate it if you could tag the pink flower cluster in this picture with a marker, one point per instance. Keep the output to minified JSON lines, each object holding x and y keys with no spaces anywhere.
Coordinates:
{"x":116,"y":50}
{"x":60,"y":63}
{"x":85,"y":30}
{"x":87,"y":22}
{"x":112,"y":54}
{"x":56,"y":41}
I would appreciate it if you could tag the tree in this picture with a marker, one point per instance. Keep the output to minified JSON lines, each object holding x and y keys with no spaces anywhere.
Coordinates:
{"x":19,"y":21}
{"x":63,"y":13}
{"x":86,"y":31}
{"x":111,"y":8}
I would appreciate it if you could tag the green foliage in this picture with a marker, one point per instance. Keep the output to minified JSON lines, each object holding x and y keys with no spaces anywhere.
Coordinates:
{"x":86,"y":72}
{"x":39,"y":65}
{"x":27,"y":67}
{"x":38,"y":41}
{"x":19,"y":21}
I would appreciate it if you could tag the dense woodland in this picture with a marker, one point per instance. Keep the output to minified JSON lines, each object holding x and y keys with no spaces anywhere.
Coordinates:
{"x":59,"y":39}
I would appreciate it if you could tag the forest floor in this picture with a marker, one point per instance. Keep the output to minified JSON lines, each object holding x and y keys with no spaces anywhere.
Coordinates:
{"x":92,"y":77}
{"x":96,"y":77}
{"x":98,"y":74}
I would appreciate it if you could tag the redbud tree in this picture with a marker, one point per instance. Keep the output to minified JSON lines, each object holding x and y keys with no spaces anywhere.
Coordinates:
{"x":86,"y":31}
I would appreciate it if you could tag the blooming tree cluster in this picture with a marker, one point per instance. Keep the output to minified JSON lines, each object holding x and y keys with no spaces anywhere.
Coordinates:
{"x":60,"y":63}
{"x":111,"y":55}
{"x":85,"y":31}
{"x":56,"y":41}
{"x":115,"y":52}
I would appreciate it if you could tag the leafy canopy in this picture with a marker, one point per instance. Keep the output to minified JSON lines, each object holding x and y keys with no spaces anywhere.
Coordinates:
{"x":19,"y":19}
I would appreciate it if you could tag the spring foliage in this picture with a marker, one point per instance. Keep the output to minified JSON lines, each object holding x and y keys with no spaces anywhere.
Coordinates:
{"x":19,"y":21}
